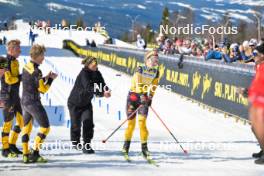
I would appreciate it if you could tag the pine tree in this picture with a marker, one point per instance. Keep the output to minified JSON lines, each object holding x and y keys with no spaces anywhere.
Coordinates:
{"x":125,"y":37}
{"x":165,"y":17}
{"x":149,"y":34}
{"x":242,"y":31}
{"x":80,"y":22}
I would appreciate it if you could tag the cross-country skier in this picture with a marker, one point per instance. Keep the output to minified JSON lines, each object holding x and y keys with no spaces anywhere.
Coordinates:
{"x":10,"y":83}
{"x":33,"y":84}
{"x":89,"y":83}
{"x":144,"y":83}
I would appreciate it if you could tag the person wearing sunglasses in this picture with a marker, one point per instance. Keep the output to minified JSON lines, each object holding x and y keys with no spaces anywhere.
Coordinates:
{"x":144,"y":83}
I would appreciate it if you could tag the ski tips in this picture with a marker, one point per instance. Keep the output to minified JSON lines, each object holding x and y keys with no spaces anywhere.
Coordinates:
{"x":185,"y":151}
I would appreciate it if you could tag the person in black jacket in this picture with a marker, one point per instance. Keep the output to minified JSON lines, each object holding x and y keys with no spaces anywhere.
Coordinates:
{"x":89,"y":83}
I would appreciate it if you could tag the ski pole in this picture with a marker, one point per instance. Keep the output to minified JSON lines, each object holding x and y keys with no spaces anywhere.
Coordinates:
{"x":185,"y":151}
{"x":129,"y":117}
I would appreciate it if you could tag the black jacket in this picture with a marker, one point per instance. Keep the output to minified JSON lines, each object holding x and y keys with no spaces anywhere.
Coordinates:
{"x":84,"y":88}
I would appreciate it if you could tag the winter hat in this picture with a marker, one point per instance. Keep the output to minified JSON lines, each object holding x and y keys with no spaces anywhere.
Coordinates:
{"x":88,"y":60}
{"x":234,"y":47}
{"x":253,"y":42}
{"x":150,"y":54}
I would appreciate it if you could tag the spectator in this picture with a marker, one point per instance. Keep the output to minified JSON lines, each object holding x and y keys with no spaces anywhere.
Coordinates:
{"x":30,"y":37}
{"x":93,"y":44}
{"x":178,"y":44}
{"x":253,"y":43}
{"x":167,"y":48}
{"x":48,"y":26}
{"x":160,"y":41}
{"x":140,"y":42}
{"x":247,"y":52}
{"x":208,"y":50}
{"x":34,"y":36}
{"x":87,"y":42}
{"x":214,"y":54}
{"x":186,"y":48}
{"x":199,"y":51}
{"x":234,"y":54}
{"x":4,"y":40}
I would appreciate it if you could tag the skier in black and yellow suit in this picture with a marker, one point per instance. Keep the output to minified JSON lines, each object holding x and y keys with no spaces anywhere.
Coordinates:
{"x":10,"y":83}
{"x":144,"y":83}
{"x":33,"y":85}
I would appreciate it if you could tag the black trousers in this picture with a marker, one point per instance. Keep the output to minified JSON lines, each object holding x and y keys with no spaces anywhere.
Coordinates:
{"x":81,"y":117}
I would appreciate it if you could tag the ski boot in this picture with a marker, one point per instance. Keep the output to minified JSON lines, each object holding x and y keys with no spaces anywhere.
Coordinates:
{"x":7,"y":153}
{"x":14,"y":149}
{"x":26,"y":159}
{"x":145,"y":152}
{"x":87,"y":149}
{"x":260,"y":160}
{"x":35,"y":157}
{"x":257,"y":155}
{"x":126,"y":146}
{"x":147,"y":156}
{"x":125,"y":150}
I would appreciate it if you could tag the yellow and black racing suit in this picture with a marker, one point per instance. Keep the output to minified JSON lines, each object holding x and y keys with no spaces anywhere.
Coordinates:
{"x":33,"y":85}
{"x":10,"y":83}
{"x":144,"y":83}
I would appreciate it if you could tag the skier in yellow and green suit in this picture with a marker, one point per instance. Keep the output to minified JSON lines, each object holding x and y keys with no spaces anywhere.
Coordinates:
{"x":144,"y":83}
